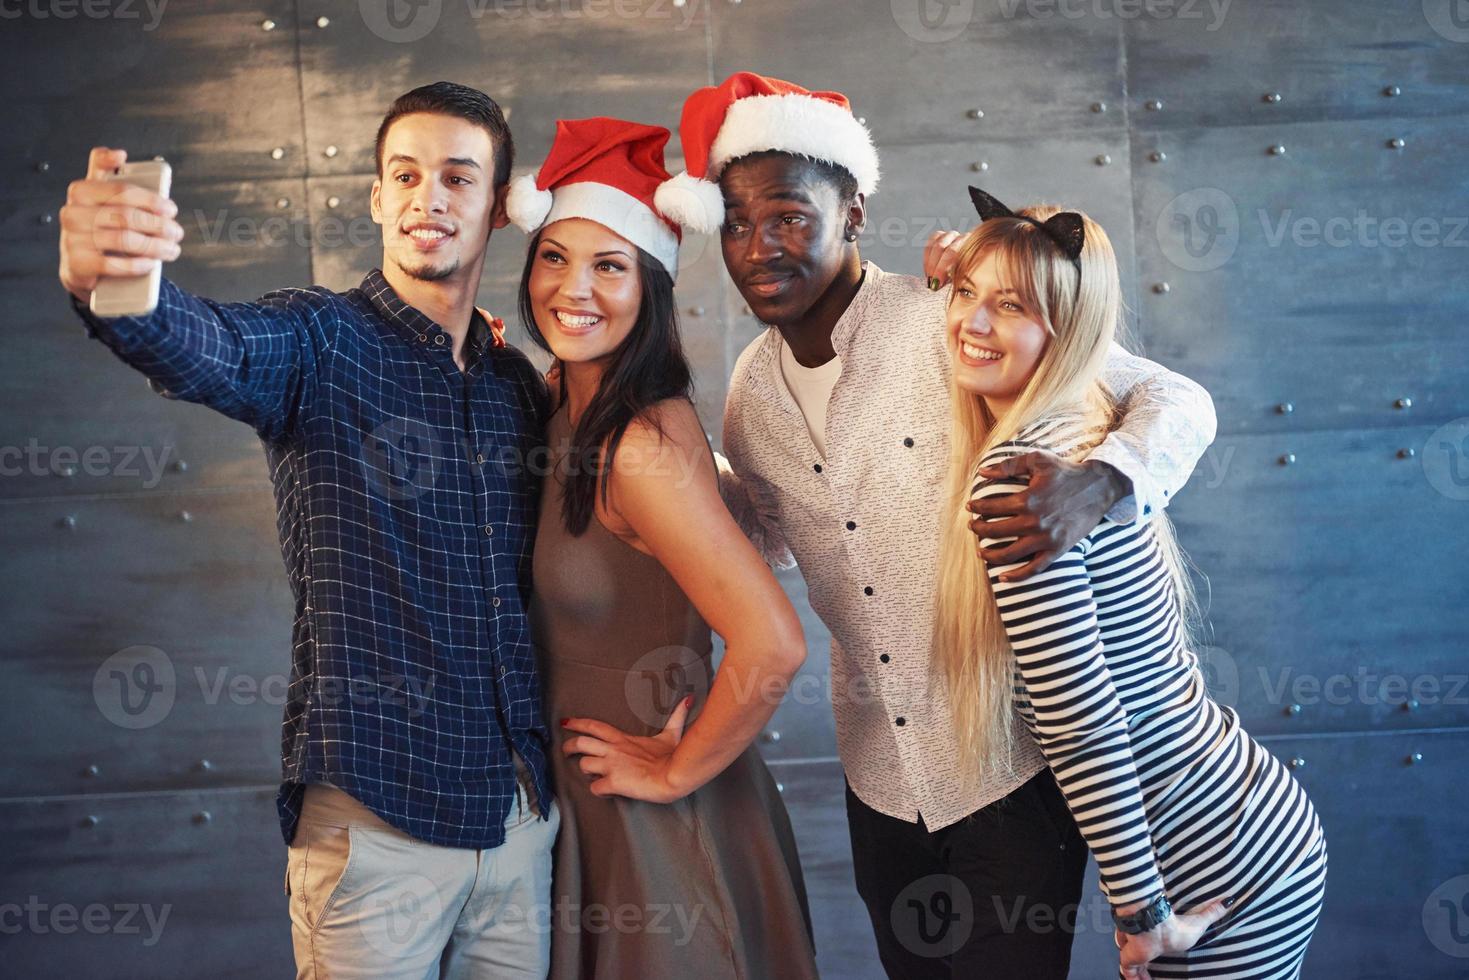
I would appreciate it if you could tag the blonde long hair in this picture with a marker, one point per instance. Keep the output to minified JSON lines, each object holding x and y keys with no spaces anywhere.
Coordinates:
{"x":971,"y":650}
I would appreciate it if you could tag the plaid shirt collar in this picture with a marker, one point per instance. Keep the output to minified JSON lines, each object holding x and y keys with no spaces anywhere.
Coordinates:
{"x":415,"y":326}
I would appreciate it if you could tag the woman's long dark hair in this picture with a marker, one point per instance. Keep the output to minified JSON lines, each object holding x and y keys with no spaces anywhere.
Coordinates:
{"x":647,"y":367}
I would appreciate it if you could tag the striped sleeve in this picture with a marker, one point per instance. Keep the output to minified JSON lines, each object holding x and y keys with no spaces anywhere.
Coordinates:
{"x":1050,"y":619}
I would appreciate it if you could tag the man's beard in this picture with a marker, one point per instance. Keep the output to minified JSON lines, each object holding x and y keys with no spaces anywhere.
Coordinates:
{"x":428,"y":272}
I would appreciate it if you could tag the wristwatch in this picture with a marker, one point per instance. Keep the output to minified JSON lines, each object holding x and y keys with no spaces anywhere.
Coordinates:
{"x":1148,"y":917}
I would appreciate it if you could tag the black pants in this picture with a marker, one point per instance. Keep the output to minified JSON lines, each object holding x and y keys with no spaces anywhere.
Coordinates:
{"x":992,"y":896}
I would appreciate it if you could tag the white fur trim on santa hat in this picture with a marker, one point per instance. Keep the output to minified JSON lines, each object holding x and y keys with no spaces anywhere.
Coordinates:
{"x":621,"y":213}
{"x":526,"y":204}
{"x":696,"y":204}
{"x":796,"y":124}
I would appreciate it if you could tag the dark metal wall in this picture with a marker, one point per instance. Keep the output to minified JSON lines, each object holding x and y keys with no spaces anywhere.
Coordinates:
{"x":1285,"y":186}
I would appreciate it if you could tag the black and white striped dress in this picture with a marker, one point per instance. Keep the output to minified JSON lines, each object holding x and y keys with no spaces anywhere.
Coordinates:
{"x":1168,"y":789}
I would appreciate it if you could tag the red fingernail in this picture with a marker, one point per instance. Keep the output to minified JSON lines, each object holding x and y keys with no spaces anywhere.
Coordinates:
{"x":565,"y":722}
{"x":688,"y":700}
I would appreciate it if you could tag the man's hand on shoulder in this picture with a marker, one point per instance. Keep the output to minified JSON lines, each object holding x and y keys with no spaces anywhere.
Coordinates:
{"x":1061,"y":505}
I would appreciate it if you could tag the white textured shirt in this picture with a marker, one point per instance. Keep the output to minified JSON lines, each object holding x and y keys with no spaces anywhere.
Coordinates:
{"x":863,"y":523}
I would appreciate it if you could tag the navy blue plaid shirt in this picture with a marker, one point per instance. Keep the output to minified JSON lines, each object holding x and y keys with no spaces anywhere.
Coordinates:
{"x":406,"y":493}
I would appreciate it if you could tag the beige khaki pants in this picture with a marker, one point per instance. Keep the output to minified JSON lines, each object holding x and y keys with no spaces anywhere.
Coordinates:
{"x":369,"y":901}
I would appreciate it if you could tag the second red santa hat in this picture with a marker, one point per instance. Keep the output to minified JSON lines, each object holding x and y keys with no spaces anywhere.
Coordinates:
{"x":748,"y":113}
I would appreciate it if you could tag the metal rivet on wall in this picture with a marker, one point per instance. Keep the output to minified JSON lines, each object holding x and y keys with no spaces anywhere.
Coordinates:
{"x":92,"y":770}
{"x":67,"y":471}
{"x":696,"y":311}
{"x":1396,"y":143}
{"x":1278,"y":150}
{"x":205,"y":765}
{"x":862,"y":120}
{"x":330,"y":151}
{"x":1161,"y":287}
{"x":975,"y":113}
{"x":1403,"y":403}
{"x":1273,"y":98}
{"x":185,"y":516}
{"x":47,"y":218}
{"x":90,"y":820}
{"x":1407,"y":453}
{"x":1392,"y":90}
{"x":1284,"y":408}
{"x":203,"y":816}
{"x":333,"y":201}
{"x":42,"y":167}
{"x":1153,"y":105}
{"x":1099,"y":107}
{"x":69,"y":522}
{"x":1293,"y":710}
{"x":278,"y":153}
{"x":1157,"y":156}
{"x":1102,"y":159}
{"x":979,"y":166}
{"x":282,"y":203}
{"x":779,"y":787}
{"x":770,"y":736}
{"x":323,"y":22}
{"x":1411,"y":704}
{"x":1297,"y":763}
{"x":180,"y":466}
{"x":1414,"y":758}
{"x":1287,"y":459}
{"x":267,"y":25}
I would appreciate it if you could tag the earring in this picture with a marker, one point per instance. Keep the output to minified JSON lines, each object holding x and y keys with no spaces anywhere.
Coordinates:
{"x":851,"y":236}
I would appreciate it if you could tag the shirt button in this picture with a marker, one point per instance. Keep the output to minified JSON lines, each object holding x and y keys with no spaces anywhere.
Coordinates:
{"x":817,"y":467}
{"x":479,"y":458}
{"x":503,"y":670}
{"x":902,"y":722}
{"x":489,"y":529}
{"x":851,"y":525}
{"x":867,"y":590}
{"x":908,"y":442}
{"x":495,"y":601}
{"x":439,"y":339}
{"x":423,"y":338}
{"x":885,"y":658}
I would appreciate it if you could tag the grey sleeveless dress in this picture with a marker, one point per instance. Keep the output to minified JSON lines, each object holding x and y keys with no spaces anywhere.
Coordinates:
{"x":709,"y":886}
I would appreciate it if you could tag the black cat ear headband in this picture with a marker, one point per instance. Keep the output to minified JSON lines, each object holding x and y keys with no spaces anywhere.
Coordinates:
{"x":1065,"y":228}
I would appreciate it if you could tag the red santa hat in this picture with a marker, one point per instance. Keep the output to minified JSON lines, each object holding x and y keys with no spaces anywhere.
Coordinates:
{"x":605,"y":170}
{"x":748,"y":113}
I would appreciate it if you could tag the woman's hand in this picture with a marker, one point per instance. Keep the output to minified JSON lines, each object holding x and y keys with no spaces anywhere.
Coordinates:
{"x":940,"y":255}
{"x":1176,"y":934}
{"x":635,"y":766}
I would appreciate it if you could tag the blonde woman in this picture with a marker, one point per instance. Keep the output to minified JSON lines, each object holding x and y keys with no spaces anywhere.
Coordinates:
{"x":1211,"y":856}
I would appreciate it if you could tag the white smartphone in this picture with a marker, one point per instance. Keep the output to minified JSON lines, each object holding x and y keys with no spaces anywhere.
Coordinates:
{"x":134,"y":295}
